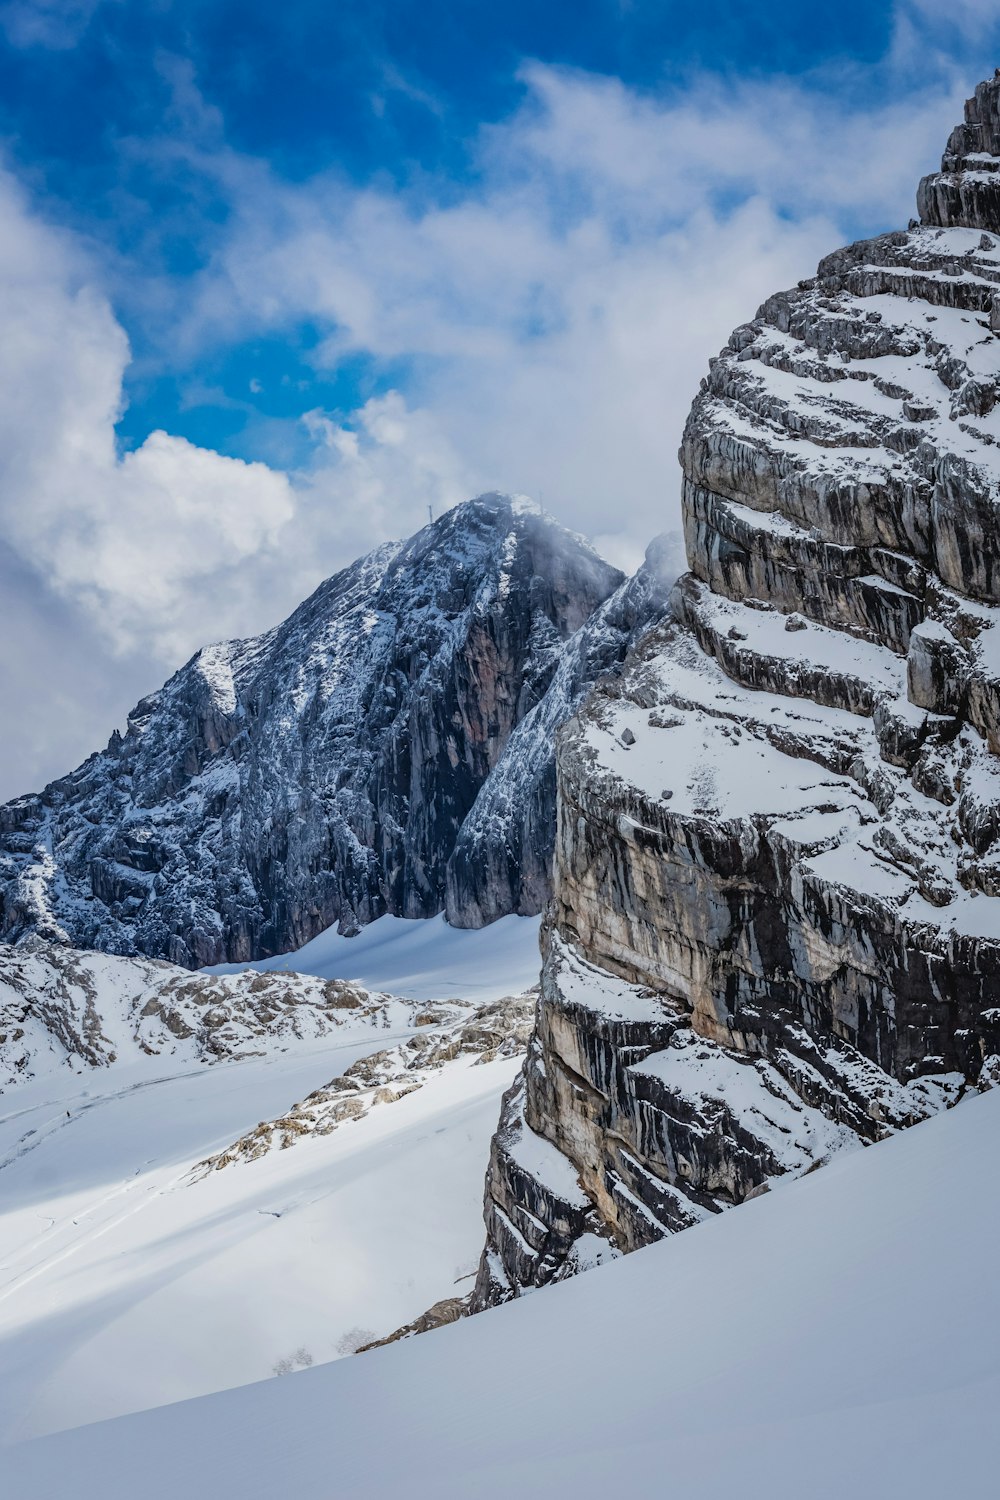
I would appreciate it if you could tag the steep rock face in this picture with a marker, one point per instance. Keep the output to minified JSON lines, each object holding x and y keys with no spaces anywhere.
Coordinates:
{"x":967,"y":190}
{"x":319,"y":773}
{"x":502,"y":860}
{"x":775,"y":931}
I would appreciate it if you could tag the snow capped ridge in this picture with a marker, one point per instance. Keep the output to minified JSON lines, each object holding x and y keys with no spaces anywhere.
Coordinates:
{"x":779,"y":825}
{"x":319,"y":773}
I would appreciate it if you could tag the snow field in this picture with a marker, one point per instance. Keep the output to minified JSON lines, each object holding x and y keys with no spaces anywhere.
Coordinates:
{"x":815,"y":1341}
{"x":420,"y":960}
{"x":124,"y":1284}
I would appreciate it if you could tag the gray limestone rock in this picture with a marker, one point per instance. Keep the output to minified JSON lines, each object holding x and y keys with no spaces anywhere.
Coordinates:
{"x":967,"y":189}
{"x":775,"y":926}
{"x":502,"y":859}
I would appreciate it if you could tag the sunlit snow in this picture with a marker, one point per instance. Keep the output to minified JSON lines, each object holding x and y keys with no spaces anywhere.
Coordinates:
{"x":125,"y":1284}
{"x":796,"y":1346}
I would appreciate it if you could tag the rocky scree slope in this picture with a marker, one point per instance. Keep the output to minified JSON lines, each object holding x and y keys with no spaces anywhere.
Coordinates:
{"x":776,"y":921}
{"x":63,"y":1008}
{"x":325,"y":771}
{"x":451,"y":1032}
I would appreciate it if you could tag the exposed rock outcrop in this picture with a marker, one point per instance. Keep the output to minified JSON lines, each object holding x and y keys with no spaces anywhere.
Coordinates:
{"x":448,"y":1310}
{"x":502,"y":860}
{"x":322,"y":773}
{"x":449,"y":1032}
{"x":775,"y":930}
{"x":63,"y":1008}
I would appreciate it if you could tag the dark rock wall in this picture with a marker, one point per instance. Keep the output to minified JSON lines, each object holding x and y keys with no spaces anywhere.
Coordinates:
{"x":502,"y":860}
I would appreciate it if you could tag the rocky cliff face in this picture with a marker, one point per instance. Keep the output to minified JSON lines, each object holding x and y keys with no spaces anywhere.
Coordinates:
{"x":502,"y":860}
{"x":776,"y":923}
{"x":325,"y":772}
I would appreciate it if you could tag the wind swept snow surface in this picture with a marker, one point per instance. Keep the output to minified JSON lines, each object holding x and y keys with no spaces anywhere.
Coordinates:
{"x":124,"y":1283}
{"x":420,"y":960}
{"x":833,"y":1337}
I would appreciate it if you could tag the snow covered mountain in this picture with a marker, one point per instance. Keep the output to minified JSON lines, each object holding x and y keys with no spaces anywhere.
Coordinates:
{"x":776,"y":920}
{"x":773,"y":938}
{"x":324,"y":773}
{"x":505,"y":844}
{"x":64,"y":1011}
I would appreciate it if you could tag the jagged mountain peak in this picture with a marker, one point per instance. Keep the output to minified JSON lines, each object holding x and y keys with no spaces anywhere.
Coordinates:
{"x":318,"y":773}
{"x":467,"y":536}
{"x":966,"y":191}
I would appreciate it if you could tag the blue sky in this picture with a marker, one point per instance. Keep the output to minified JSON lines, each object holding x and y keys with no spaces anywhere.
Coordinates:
{"x":276,"y":277}
{"x":395,"y":93}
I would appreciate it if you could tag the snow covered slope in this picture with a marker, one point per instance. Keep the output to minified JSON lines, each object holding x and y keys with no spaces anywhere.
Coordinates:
{"x":319,"y":774}
{"x":128,"y":1279}
{"x":64,"y":1011}
{"x":817,"y":1341}
{"x":418,"y":960}
{"x":157,"y":1237}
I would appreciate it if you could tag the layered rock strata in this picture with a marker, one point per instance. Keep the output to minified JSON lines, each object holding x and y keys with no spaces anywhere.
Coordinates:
{"x":775,"y":930}
{"x":324,"y":772}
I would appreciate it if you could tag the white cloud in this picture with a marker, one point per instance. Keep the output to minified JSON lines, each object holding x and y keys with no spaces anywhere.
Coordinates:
{"x":376,"y":477}
{"x":954,"y":37}
{"x":558,"y":312}
{"x":802,"y":148}
{"x":61,"y":695}
{"x":147,"y":542}
{"x":973,"y":17}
